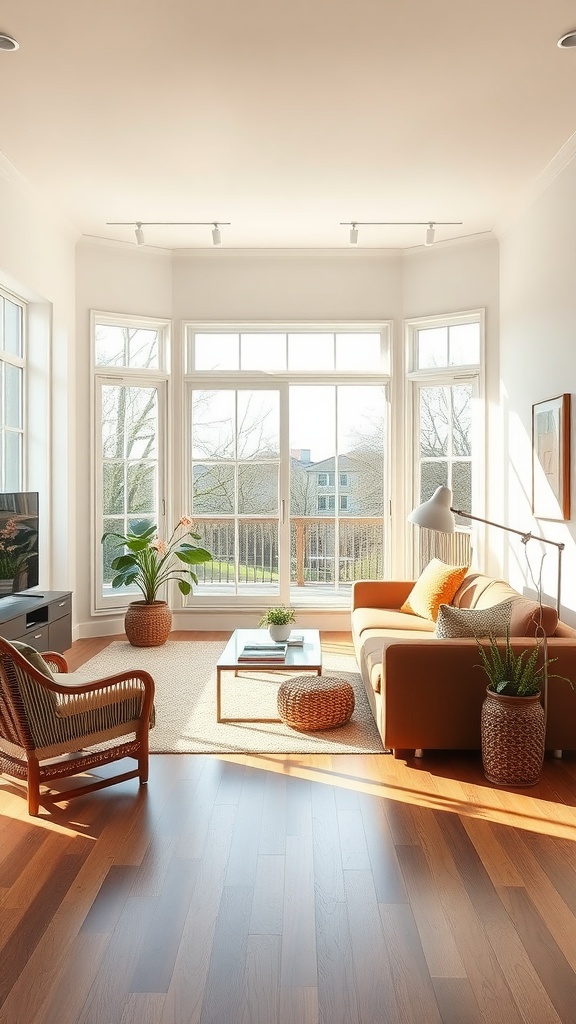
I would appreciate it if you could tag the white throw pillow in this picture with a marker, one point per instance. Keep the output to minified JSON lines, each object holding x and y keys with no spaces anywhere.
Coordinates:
{"x":478,"y":622}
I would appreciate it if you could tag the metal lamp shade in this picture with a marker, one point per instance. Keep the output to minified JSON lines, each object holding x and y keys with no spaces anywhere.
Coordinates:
{"x":435,"y":514}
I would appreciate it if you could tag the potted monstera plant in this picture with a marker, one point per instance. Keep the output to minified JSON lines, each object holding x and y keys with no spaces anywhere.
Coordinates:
{"x":149,"y":563}
{"x":513,"y":721}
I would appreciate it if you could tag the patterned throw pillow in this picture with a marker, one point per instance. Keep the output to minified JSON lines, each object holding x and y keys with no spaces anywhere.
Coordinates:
{"x":478,"y":622}
{"x":436,"y":585}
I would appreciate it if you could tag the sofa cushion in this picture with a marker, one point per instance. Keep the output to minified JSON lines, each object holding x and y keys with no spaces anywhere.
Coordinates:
{"x":436,"y":585}
{"x":389,"y":619}
{"x":480,"y":591}
{"x":479,"y":622}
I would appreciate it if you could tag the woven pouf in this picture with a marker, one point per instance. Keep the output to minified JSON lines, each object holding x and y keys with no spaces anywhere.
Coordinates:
{"x":309,"y":703}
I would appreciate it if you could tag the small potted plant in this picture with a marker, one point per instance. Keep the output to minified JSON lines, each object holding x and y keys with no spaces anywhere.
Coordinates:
{"x":513,"y":721}
{"x":278,"y":622}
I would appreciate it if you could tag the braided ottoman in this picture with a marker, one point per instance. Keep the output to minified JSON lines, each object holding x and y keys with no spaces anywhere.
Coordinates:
{"x":309,"y":703}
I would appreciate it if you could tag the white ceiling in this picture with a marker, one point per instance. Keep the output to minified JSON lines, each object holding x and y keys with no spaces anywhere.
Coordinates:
{"x":285,"y":118}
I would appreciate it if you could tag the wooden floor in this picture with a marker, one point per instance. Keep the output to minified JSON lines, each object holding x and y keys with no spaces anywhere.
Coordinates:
{"x":292,"y":890}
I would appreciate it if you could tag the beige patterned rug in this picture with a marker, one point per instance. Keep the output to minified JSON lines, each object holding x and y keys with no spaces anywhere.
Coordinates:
{"x":185,"y":677}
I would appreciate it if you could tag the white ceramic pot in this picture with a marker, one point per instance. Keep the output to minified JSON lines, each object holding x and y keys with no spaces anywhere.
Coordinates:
{"x":279,"y":633}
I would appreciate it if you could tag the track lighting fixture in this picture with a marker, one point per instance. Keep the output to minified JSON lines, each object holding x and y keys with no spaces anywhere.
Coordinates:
{"x":430,"y":226}
{"x":139,"y":224}
{"x":567,"y":41}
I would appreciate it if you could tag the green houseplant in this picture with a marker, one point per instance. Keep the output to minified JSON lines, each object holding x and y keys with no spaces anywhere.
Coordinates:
{"x":16,"y":544}
{"x":513,"y":720}
{"x":278,"y":621}
{"x":149,"y":563}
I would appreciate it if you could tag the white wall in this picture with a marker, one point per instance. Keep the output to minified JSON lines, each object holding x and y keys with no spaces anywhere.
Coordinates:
{"x":537,"y":362}
{"x":37,"y":263}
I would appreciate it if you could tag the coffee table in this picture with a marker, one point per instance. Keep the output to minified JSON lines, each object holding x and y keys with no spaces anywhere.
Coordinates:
{"x":306,"y":658}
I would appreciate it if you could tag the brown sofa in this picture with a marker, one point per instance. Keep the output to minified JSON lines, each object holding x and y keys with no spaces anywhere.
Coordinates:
{"x":426,"y":692}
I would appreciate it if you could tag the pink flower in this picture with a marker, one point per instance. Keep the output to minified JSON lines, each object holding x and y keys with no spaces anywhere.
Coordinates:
{"x":185,"y":521}
{"x":159,"y":546}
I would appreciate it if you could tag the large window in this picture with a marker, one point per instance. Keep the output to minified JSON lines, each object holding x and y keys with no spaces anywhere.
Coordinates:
{"x":12,"y":363}
{"x":445,"y":358}
{"x":279,"y":423}
{"x":130,"y":437}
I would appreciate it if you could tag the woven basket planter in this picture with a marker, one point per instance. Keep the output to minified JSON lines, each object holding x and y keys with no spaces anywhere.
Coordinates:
{"x":148,"y":625}
{"x":309,"y":703}
{"x":513,"y":736}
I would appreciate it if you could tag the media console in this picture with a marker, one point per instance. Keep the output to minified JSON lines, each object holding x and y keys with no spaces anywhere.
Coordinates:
{"x":43,"y":619}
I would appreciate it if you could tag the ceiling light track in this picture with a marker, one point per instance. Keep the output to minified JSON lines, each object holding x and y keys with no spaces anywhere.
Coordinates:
{"x":430,"y":226}
{"x":139,"y":224}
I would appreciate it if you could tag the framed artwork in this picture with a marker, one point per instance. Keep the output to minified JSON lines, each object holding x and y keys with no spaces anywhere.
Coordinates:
{"x":551,"y":459}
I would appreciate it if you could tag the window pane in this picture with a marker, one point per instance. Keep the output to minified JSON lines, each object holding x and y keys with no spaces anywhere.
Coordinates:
{"x":110,"y":550}
{"x":13,"y":397}
{"x":136,"y":347}
{"x":263,"y":351}
{"x":257,"y":490}
{"x":213,"y":418}
{"x":258,"y":424}
{"x":432,"y":475}
{"x":464,"y":344}
{"x":362,"y":433}
{"x":311,"y":351}
{"x":129,"y":422}
{"x":141,"y":479}
{"x":258,"y":556}
{"x":12,"y":328}
{"x":462,"y":419}
{"x":216,"y":351}
{"x":462,"y":488}
{"x":13,"y":461}
{"x":113,"y":484}
{"x":435,"y":419}
{"x":213,"y":490}
{"x":358,"y":352}
{"x":432,"y":347}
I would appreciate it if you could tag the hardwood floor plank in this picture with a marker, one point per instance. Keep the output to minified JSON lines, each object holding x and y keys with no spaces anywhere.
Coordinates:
{"x":328,"y":873}
{"x":261,"y":995}
{"x":388,"y":879}
{"x":110,"y":899}
{"x":554,"y":971}
{"x":353,"y":846}
{"x":68,"y":991}
{"x":273,"y":825}
{"x":373,"y":985}
{"x":438,"y":943}
{"x":33,"y":922}
{"x":456,"y":1001}
{"x":267,"y":905}
{"x":158,"y":951}
{"x":224,"y":991}
{"x":298,"y":969}
{"x":337,"y":993}
{"x":244,"y":850}
{"x":143,"y":1008}
{"x":410,"y":976}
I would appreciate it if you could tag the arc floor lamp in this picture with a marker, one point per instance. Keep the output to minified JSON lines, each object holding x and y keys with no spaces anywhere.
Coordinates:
{"x":437,"y":514}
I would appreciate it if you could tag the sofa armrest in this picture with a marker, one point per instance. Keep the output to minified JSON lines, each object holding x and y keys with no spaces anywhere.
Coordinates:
{"x":380,"y":593}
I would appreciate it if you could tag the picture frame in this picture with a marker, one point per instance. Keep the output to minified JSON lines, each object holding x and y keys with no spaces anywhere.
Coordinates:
{"x":551,"y":459}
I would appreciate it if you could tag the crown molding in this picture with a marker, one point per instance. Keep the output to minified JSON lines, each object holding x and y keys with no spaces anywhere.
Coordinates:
{"x":478,"y":241}
{"x":281,"y":255}
{"x":45,"y":209}
{"x":541,"y":182}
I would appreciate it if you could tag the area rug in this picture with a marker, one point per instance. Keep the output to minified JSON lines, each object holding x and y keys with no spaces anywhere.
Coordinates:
{"x":185,"y":676}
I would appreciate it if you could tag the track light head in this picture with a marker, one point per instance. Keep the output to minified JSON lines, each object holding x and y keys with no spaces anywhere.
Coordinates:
{"x":139,"y":234}
{"x":216,"y":236}
{"x":353,"y":234}
{"x":430,"y":233}
{"x":8,"y":42}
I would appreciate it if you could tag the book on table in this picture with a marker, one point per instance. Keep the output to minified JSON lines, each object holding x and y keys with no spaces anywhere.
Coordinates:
{"x":263,"y":652}
{"x":295,"y":640}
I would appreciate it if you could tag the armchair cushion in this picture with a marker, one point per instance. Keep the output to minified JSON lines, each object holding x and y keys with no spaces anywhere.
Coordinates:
{"x":33,"y":656}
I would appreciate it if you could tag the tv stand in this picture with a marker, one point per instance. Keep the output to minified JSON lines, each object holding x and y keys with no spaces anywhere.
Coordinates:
{"x":41,"y":619}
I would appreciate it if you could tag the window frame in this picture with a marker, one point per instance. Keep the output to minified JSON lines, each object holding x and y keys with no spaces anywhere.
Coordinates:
{"x":443,"y":376}
{"x":123,"y":376}
{"x":19,"y":363}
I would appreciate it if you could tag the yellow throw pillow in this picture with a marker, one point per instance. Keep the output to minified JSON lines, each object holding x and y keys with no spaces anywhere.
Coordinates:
{"x":436,"y":585}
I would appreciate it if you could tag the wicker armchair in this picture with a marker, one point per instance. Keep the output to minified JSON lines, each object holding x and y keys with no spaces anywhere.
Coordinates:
{"x":49,"y":728}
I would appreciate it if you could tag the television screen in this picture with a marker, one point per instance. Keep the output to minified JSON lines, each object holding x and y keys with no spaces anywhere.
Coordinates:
{"x":18,"y":541}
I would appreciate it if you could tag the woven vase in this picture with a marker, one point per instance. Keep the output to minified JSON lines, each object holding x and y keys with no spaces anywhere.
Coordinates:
{"x":148,"y":625}
{"x":513,"y":737}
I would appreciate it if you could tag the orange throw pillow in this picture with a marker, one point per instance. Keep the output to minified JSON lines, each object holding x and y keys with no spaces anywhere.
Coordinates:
{"x":436,"y":585}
